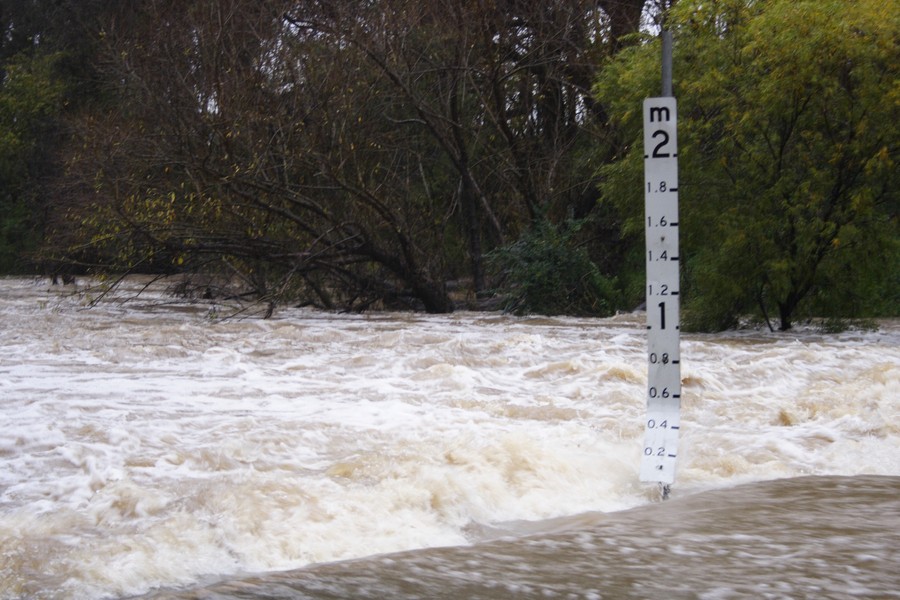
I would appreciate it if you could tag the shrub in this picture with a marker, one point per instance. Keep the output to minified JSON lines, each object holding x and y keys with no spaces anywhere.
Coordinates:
{"x":546,"y":272}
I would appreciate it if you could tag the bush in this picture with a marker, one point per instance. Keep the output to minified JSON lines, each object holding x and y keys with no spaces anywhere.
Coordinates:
{"x":546,"y":272}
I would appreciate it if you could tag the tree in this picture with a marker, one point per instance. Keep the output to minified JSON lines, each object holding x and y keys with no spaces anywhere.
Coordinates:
{"x":30,"y":100}
{"x":788,"y":173}
{"x":246,"y":141}
{"x":339,"y":153}
{"x":502,"y":91}
{"x":47,"y":52}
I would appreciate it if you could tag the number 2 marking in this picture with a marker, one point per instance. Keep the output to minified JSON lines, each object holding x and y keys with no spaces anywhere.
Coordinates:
{"x":656,"y":152}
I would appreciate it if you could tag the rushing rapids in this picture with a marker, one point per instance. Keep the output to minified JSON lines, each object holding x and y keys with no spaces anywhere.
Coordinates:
{"x":149,"y":444}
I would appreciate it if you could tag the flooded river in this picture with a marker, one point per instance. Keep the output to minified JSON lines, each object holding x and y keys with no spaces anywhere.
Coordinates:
{"x":150,"y":448}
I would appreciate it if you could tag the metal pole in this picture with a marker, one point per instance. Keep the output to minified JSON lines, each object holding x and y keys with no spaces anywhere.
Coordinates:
{"x":666,"y":63}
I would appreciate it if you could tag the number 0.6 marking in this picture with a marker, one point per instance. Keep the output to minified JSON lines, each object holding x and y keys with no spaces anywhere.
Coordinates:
{"x":653,"y":392}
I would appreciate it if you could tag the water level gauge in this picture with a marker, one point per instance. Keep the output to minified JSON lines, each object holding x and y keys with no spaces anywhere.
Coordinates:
{"x":663,"y":291}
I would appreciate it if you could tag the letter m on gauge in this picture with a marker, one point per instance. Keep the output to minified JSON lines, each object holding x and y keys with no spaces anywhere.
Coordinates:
{"x":660,"y":132}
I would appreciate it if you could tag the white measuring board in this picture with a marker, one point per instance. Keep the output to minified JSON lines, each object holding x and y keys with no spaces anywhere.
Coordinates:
{"x":663,"y":291}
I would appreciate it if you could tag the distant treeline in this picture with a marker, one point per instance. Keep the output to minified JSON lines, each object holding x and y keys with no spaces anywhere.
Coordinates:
{"x":435,"y":155}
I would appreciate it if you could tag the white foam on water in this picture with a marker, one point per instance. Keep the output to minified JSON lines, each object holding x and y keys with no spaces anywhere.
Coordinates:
{"x":146,"y":446}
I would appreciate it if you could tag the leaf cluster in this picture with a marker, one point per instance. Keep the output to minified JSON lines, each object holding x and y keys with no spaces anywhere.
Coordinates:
{"x":546,"y":271}
{"x":788,"y":180}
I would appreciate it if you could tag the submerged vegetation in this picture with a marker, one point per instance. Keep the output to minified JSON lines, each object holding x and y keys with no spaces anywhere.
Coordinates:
{"x":410,"y":155}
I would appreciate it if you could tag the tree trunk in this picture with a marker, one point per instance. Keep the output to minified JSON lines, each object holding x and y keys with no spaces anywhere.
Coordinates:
{"x":434,"y":297}
{"x":472,"y":232}
{"x":786,"y":312}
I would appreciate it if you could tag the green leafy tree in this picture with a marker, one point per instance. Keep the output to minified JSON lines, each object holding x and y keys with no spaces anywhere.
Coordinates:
{"x":788,"y":153}
{"x":47,"y":73}
{"x":30,"y":99}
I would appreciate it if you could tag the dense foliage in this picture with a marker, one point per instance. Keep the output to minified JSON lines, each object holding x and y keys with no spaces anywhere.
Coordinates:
{"x":353,"y":155}
{"x":788,"y":156}
{"x":29,"y":99}
{"x":547,"y":272}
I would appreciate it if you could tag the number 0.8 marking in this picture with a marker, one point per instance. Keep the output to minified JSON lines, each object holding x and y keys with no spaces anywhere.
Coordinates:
{"x":659,"y":358}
